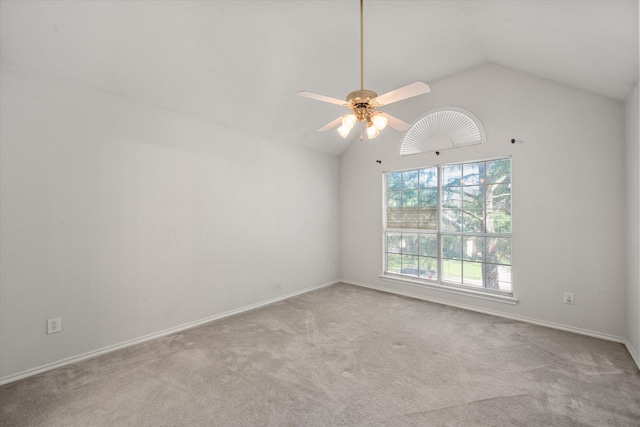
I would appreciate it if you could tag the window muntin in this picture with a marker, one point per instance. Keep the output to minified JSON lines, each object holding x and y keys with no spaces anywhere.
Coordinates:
{"x":451,"y":224}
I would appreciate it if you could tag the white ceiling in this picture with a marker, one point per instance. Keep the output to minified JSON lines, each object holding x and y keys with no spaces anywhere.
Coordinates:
{"x":240,"y":63}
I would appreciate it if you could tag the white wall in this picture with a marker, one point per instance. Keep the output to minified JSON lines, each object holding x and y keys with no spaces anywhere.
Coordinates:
{"x":126,"y":220}
{"x":568,"y":203}
{"x":633,"y":220}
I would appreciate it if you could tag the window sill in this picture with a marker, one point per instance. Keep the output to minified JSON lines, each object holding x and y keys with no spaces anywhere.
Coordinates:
{"x":451,"y":289}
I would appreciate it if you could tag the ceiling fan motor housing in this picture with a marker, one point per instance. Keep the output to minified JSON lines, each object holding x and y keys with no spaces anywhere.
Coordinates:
{"x":360,"y":102}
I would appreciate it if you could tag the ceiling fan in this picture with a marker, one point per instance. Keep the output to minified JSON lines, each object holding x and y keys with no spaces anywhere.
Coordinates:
{"x":363,"y":102}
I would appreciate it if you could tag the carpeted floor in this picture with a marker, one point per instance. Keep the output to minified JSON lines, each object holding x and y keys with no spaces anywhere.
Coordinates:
{"x":342,"y":355}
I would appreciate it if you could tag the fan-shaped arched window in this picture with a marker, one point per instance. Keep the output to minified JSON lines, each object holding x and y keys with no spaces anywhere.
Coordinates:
{"x":442,"y":129}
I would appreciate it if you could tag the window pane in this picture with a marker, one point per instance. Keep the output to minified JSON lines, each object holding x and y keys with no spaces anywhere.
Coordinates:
{"x":473,"y":248}
{"x":452,"y":220}
{"x":499,"y":250}
{"x":410,"y":218}
{"x":393,"y":243}
{"x":428,"y":219}
{"x":504,"y":278}
{"x":394,"y":263}
{"x":394,"y":199}
{"x":452,"y":247}
{"x":473,"y":173}
{"x":452,"y":271}
{"x":472,"y":221}
{"x":499,"y":197}
{"x":410,"y":179}
{"x":394,"y":218}
{"x":473,"y":197}
{"x":452,"y":197}
{"x":498,"y":222}
{"x":410,"y":265}
{"x":499,"y":171}
{"x":428,"y":245}
{"x":429,"y":177}
{"x":411,"y":271}
{"x":394,"y":180}
{"x":409,"y":198}
{"x":498,"y":277}
{"x":428,"y":268}
{"x":452,"y":175}
{"x":409,"y":244}
{"x":428,"y":197}
{"x":472,"y":273}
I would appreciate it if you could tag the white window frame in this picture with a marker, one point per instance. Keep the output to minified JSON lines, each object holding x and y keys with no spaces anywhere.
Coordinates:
{"x":438,"y":282}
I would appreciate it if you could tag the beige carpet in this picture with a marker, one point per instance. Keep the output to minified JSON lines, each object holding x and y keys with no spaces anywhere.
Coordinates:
{"x":342,"y":355}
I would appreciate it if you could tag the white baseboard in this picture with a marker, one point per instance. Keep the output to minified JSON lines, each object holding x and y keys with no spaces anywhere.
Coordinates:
{"x":109,"y":349}
{"x":494,"y":313}
{"x":633,"y":354}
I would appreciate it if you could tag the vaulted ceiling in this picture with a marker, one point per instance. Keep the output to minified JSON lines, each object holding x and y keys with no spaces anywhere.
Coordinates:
{"x":239,"y":63}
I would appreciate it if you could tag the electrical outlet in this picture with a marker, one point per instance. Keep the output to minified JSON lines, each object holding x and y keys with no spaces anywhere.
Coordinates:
{"x":54,"y":325}
{"x":568,"y":298}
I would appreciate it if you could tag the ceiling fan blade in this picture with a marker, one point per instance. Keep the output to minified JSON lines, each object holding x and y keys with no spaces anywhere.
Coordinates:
{"x":322,"y":98}
{"x":395,"y":123}
{"x":331,"y":125}
{"x":408,"y":91}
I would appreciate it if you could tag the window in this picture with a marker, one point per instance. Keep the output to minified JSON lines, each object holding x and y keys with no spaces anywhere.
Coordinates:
{"x":451,"y":224}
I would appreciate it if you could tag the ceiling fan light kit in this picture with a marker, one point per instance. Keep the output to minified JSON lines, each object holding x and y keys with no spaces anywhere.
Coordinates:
{"x":363,"y":102}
